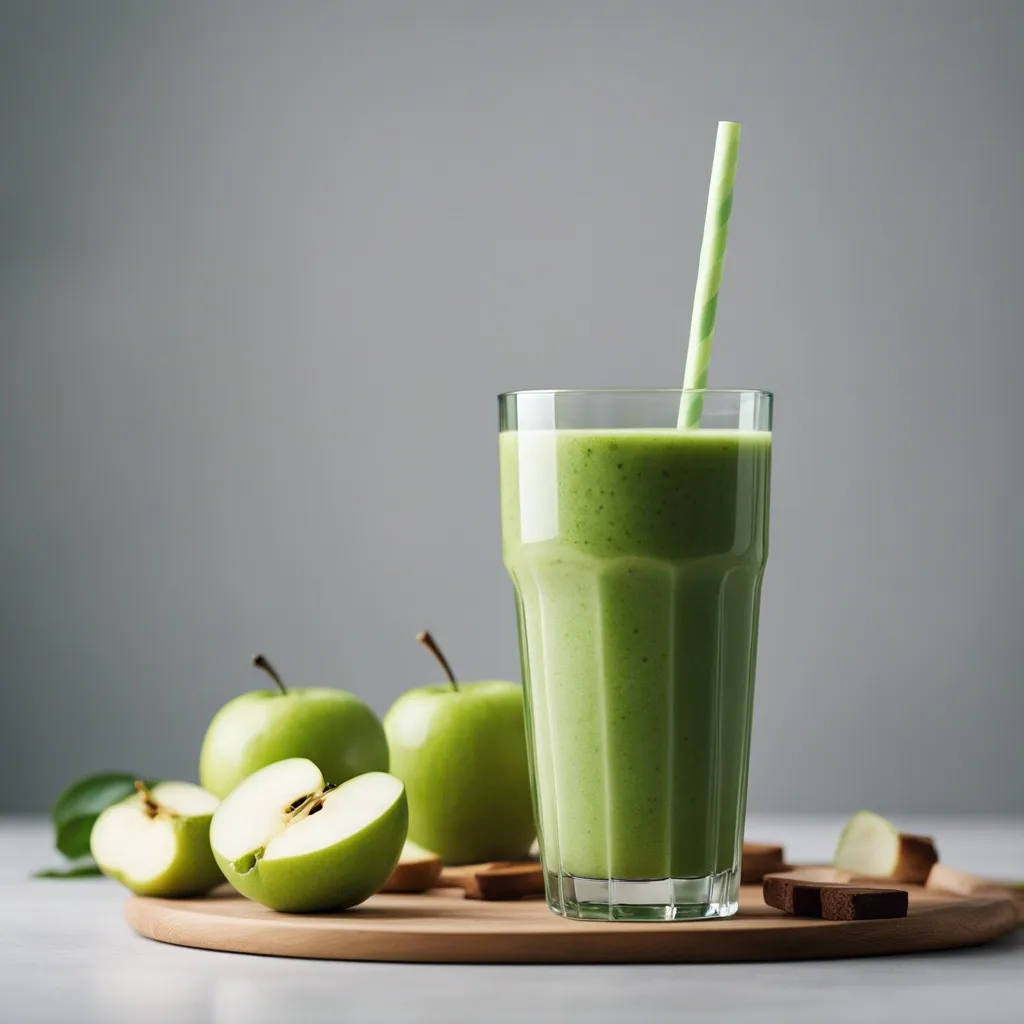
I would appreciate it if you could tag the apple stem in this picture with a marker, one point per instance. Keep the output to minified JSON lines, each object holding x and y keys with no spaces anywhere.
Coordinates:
{"x":260,"y":661}
{"x":152,"y":807}
{"x":431,"y":645}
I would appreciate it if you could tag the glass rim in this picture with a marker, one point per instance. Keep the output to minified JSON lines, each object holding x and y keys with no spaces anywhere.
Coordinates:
{"x":635,"y":391}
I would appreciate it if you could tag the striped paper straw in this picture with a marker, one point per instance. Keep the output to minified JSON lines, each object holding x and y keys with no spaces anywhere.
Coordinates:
{"x":709,"y":272}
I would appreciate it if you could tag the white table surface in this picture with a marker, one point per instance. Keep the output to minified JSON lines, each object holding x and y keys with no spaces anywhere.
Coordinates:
{"x":66,"y":955}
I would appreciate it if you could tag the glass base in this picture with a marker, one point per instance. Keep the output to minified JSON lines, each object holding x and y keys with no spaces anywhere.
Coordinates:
{"x":644,"y":899}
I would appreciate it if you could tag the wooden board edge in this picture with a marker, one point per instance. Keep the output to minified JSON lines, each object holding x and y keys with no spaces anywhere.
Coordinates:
{"x":978,"y":921}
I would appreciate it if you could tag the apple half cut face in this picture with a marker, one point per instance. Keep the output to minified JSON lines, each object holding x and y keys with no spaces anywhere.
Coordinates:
{"x":157,"y":841}
{"x":286,"y":839}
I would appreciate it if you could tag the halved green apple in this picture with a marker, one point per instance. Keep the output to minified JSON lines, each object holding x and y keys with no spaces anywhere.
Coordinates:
{"x":286,"y":839}
{"x":157,"y":841}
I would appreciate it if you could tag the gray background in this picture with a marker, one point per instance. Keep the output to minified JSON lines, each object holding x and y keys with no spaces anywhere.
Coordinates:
{"x":263,"y":268}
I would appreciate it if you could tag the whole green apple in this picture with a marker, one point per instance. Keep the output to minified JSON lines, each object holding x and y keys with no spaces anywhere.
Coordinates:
{"x":460,"y":749}
{"x":156,"y":842}
{"x":292,"y":842}
{"x":332,"y":728}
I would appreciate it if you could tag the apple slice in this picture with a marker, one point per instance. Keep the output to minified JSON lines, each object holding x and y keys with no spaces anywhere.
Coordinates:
{"x":157,"y":841}
{"x":286,"y":839}
{"x":946,"y":879}
{"x":943,"y":878}
{"x":417,"y":871}
{"x":873,"y":847}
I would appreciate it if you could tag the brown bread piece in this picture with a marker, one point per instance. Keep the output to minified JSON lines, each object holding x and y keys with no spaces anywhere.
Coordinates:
{"x":758,"y":860}
{"x":916,"y":859}
{"x":833,"y":901}
{"x":506,"y":882}
{"x":417,"y":875}
{"x":800,"y":899}
{"x":460,"y":876}
{"x":846,"y":903}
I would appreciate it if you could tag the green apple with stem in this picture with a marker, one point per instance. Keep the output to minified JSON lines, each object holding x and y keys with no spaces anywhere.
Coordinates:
{"x":460,"y":749}
{"x":289,"y":840}
{"x":332,"y":728}
{"x":157,"y":841}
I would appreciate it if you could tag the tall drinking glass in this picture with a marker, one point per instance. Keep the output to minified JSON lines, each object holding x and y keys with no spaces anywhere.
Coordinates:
{"x":636,"y":550}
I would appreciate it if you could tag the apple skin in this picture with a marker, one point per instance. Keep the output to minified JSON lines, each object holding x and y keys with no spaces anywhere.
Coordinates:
{"x":462,"y":756}
{"x":332,"y":728}
{"x":334,"y":878}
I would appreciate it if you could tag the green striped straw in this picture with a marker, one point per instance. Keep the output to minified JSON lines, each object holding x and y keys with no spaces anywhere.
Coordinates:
{"x":709,"y":272}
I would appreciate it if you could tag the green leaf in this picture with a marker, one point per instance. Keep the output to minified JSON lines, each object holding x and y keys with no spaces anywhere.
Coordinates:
{"x":72,"y":837}
{"x":78,"y":807}
{"x":91,"y":795}
{"x":84,"y":867}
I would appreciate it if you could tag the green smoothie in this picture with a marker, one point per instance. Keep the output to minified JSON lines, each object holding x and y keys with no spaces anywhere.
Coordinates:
{"x":637,"y":558}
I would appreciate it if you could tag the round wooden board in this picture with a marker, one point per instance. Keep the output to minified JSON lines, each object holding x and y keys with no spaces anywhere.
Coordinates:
{"x":442,"y":927}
